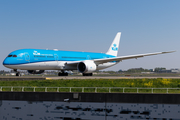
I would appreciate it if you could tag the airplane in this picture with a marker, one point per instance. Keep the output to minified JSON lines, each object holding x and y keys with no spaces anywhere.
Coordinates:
{"x":36,"y":61}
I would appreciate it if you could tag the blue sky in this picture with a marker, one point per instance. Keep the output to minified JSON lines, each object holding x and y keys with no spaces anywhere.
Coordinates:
{"x":86,"y":25}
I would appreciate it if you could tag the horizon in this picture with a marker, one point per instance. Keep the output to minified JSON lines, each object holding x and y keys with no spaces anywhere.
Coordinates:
{"x":146,"y":27}
{"x":107,"y":70}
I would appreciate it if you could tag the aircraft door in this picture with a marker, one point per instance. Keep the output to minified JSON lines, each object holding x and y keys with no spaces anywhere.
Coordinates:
{"x":27,"y":57}
{"x":56,"y":57}
{"x":88,"y":57}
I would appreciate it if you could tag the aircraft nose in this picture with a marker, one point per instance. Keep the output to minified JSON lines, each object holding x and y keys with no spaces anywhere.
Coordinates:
{"x":6,"y":62}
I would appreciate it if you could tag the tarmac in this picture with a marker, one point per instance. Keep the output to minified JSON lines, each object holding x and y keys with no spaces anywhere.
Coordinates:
{"x":14,"y":78}
{"x":107,"y":77}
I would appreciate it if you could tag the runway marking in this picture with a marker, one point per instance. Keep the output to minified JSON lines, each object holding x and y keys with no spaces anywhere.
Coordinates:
{"x":107,"y":77}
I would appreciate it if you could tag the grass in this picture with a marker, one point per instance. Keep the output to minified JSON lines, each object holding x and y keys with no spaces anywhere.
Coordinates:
{"x":132,"y":83}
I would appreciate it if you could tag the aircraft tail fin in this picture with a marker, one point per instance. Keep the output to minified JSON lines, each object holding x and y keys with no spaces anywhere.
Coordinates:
{"x":113,"y":50}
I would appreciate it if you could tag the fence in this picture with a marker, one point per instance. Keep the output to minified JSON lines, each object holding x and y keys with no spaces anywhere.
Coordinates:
{"x":90,"y":89}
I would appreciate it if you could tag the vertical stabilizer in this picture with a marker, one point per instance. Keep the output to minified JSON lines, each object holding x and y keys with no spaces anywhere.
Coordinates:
{"x":113,"y":50}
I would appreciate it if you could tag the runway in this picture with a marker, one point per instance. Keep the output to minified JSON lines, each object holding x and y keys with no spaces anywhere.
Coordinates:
{"x":107,"y":77}
{"x":14,"y":78}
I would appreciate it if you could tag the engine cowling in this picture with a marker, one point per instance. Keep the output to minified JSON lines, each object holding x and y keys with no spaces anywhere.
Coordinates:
{"x":35,"y":71}
{"x":86,"y":67}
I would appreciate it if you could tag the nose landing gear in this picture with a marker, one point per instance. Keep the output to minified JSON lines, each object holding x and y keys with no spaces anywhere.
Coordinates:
{"x":17,"y":73}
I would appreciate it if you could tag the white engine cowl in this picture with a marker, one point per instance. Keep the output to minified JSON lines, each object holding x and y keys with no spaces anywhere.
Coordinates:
{"x":86,"y":67}
{"x":35,"y":71}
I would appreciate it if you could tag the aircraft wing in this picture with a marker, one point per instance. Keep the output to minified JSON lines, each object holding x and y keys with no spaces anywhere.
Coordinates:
{"x":120,"y":58}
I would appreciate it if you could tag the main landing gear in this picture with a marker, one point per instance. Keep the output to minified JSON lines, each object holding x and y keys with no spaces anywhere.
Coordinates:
{"x":87,"y":74}
{"x":62,"y":73}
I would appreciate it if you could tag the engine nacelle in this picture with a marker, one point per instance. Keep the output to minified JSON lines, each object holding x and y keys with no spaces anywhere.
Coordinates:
{"x":35,"y":71}
{"x":86,"y":67}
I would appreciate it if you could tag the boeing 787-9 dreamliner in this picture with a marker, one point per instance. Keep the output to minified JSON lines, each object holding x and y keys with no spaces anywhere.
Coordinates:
{"x":36,"y":61}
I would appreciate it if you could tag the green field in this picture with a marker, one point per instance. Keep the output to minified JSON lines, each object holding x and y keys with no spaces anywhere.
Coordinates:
{"x":129,"y":83}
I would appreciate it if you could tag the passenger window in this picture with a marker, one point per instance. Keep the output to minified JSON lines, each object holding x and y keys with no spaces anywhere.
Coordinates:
{"x":14,"y":55}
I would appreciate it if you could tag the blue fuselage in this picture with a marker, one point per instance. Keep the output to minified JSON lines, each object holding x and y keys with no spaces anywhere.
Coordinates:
{"x":30,"y":56}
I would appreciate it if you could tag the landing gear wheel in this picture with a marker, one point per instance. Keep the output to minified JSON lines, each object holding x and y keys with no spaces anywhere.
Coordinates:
{"x":87,"y":74}
{"x":18,"y":74}
{"x":62,"y":74}
{"x":66,"y":74}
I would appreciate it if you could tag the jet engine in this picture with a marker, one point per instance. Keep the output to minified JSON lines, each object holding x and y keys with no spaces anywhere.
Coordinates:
{"x":86,"y":67}
{"x":35,"y":71}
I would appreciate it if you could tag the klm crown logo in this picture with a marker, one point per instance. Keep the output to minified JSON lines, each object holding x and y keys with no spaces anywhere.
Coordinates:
{"x":114,"y":48}
{"x":36,"y":53}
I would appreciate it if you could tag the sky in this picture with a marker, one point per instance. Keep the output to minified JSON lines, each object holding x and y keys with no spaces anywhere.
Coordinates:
{"x":90,"y":25}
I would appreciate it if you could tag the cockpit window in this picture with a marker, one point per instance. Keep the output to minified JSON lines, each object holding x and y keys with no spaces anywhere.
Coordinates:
{"x":9,"y":55}
{"x":14,"y":55}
